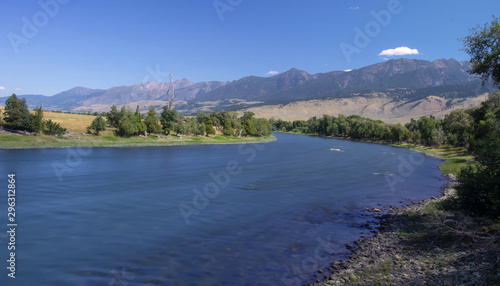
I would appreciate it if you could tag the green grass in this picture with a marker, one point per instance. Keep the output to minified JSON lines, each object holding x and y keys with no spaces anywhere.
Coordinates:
{"x":455,"y":158}
{"x":218,"y":137}
{"x":108,"y":140}
{"x":7,"y":138}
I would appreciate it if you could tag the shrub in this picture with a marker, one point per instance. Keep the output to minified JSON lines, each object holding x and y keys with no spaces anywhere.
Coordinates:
{"x":479,"y":190}
{"x":54,"y":128}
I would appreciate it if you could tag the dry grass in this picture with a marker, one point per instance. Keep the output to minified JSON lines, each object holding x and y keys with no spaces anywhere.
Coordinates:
{"x":72,"y":122}
{"x":378,"y":106}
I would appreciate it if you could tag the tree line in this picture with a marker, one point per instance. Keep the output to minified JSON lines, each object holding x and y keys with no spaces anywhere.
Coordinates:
{"x":128,"y":123}
{"x":455,"y":129}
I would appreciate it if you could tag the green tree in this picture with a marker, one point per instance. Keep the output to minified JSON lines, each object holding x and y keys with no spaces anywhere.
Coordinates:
{"x":113,"y":116}
{"x":228,"y":129}
{"x":141,"y":126}
{"x":201,"y":129}
{"x":209,"y":128}
{"x":247,"y":116}
{"x":479,"y":188}
{"x":168,"y":117}
{"x":98,"y":124}
{"x":249,"y":128}
{"x":151,"y":121}
{"x":192,"y":126}
{"x":201,"y":117}
{"x":16,"y":113}
{"x":180,"y":127}
{"x":458,"y":127}
{"x":37,"y":123}
{"x":399,"y":133}
{"x":483,"y":46}
{"x":127,"y":125}
{"x":426,"y":126}
{"x":262,"y":126}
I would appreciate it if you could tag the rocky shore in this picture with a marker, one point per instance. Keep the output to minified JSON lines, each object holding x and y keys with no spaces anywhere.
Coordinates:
{"x":421,"y":244}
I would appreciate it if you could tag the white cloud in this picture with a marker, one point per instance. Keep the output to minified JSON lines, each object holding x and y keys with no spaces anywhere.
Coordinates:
{"x":2,"y":88}
{"x":354,"y":8}
{"x":399,"y":51}
{"x":17,"y":88}
{"x":272,"y":73}
{"x":347,"y":70}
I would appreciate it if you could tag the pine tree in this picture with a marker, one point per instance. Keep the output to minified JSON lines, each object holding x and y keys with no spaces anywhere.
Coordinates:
{"x":98,"y":124}
{"x":151,"y":121}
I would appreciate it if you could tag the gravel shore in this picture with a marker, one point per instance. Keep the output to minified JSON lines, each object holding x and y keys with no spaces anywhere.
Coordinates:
{"x":421,"y":244}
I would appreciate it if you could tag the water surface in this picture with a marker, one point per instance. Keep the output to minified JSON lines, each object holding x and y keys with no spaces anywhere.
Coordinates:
{"x":273,"y":213}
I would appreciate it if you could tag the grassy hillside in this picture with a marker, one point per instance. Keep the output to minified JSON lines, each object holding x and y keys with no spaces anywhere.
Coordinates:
{"x":376,"y":106}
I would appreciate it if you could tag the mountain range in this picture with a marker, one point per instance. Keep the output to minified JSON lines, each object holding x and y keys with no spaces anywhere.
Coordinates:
{"x":407,"y":80}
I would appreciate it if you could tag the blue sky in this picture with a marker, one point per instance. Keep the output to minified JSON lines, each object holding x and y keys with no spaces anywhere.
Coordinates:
{"x":49,"y":46}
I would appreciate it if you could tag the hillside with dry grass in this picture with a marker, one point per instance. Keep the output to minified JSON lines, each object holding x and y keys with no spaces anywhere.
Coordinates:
{"x":377,"y":106}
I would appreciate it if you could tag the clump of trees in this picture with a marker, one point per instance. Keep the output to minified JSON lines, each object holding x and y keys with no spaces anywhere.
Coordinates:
{"x":16,"y":116}
{"x":479,"y":188}
{"x":455,"y":129}
{"x":169,"y":121}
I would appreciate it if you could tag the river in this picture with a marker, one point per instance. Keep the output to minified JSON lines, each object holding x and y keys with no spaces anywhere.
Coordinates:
{"x":251,"y":214}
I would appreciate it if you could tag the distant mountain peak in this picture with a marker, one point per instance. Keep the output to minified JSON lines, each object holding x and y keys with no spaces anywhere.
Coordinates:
{"x":78,"y":91}
{"x":296,"y":70}
{"x":295,"y":73}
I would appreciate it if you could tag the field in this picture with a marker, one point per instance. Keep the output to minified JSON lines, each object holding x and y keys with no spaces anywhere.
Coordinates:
{"x":72,"y":122}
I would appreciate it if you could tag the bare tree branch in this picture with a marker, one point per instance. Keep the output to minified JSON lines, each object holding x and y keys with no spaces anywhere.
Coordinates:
{"x":171,"y":97}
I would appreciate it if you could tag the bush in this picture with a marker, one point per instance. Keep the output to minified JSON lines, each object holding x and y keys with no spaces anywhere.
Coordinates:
{"x":479,"y":191}
{"x":54,"y":128}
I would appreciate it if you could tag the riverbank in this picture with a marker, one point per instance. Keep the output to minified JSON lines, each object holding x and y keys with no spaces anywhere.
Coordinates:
{"x":455,"y":158}
{"x":423,"y":244}
{"x":10,"y":140}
